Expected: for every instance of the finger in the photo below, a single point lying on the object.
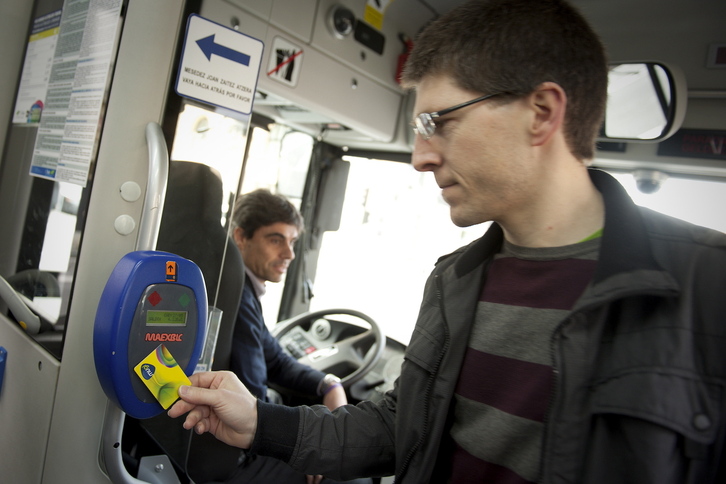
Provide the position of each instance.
(203, 379)
(191, 421)
(179, 408)
(196, 415)
(201, 427)
(197, 395)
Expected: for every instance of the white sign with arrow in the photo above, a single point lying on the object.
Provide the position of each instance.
(219, 65)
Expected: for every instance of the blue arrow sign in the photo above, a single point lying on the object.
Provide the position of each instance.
(209, 47)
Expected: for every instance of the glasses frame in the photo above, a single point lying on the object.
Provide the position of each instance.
(424, 124)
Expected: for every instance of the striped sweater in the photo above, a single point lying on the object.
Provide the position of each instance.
(506, 379)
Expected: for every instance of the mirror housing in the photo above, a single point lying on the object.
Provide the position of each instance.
(646, 102)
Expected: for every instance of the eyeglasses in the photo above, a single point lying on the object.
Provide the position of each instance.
(424, 125)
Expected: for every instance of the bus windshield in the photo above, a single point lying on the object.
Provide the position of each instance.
(395, 225)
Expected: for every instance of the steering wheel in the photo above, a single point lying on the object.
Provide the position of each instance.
(345, 351)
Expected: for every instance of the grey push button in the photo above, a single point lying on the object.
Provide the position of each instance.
(701, 421)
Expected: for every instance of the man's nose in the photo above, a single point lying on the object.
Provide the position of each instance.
(425, 157)
(288, 252)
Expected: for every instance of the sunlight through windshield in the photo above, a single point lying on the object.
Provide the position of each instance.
(395, 225)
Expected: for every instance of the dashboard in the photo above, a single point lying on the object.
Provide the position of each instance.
(333, 345)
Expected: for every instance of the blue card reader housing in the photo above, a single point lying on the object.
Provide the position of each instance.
(151, 298)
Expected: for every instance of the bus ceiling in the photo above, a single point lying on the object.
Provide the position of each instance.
(325, 78)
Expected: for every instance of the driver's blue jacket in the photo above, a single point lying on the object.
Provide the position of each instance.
(258, 359)
(639, 367)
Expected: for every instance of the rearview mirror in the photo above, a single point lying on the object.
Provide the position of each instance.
(646, 102)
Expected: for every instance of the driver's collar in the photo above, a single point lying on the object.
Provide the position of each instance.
(257, 284)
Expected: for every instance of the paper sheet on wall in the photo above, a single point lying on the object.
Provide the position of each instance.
(74, 101)
(34, 79)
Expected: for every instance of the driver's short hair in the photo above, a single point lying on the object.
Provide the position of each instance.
(260, 208)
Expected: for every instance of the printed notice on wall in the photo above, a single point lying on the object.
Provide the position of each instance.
(34, 79)
(76, 89)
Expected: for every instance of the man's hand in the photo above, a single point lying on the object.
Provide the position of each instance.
(218, 403)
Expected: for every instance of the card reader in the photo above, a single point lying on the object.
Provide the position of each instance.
(151, 298)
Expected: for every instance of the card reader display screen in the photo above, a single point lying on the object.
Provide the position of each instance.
(166, 318)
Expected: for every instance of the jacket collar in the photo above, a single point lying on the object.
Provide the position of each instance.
(625, 244)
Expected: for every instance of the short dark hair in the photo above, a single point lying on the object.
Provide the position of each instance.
(260, 208)
(514, 46)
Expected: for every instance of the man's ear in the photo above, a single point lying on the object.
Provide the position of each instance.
(549, 104)
(239, 237)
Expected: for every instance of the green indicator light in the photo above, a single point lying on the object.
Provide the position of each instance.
(184, 300)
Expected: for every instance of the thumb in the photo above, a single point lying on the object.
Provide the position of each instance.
(197, 395)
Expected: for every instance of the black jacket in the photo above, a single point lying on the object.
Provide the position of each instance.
(258, 359)
(640, 367)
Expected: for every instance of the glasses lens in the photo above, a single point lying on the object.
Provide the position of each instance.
(425, 125)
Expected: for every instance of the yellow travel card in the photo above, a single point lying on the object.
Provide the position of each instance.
(162, 375)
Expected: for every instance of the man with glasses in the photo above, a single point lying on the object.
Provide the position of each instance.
(579, 340)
